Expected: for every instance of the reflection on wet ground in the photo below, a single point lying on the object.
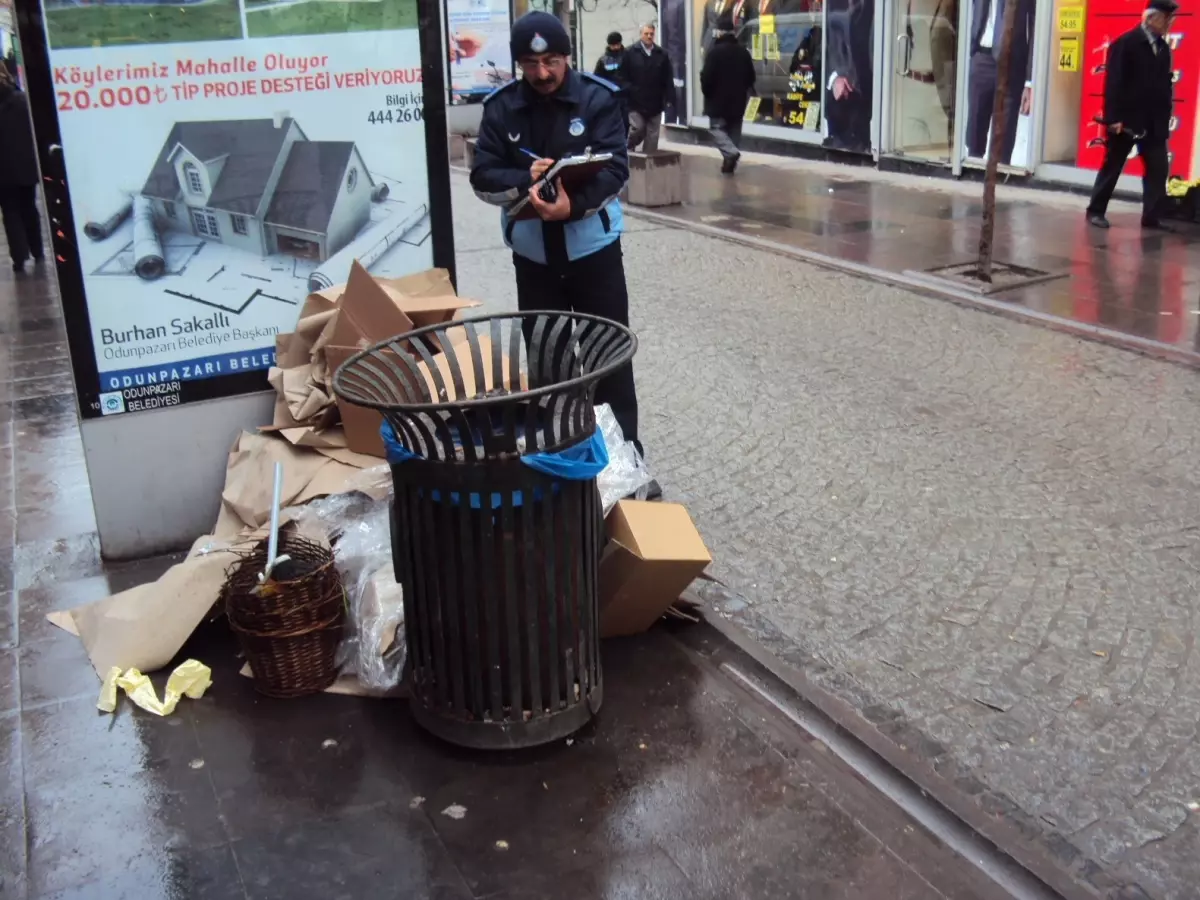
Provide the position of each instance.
(687, 787)
(1144, 284)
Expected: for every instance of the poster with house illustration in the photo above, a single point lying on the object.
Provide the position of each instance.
(260, 185)
(249, 174)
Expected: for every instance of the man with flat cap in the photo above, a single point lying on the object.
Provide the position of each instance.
(1137, 112)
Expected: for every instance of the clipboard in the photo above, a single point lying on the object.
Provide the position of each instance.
(571, 169)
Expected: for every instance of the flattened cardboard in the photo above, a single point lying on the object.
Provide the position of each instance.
(654, 553)
(372, 309)
(362, 424)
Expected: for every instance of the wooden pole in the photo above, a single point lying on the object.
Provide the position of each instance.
(987, 228)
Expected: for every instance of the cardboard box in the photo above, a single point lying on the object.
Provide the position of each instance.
(350, 318)
(654, 553)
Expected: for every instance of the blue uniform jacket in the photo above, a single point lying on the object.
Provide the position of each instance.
(587, 113)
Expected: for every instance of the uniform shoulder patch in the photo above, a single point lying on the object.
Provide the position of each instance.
(596, 79)
(504, 87)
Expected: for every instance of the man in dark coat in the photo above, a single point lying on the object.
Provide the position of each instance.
(611, 66)
(987, 29)
(650, 85)
(18, 176)
(1137, 111)
(726, 81)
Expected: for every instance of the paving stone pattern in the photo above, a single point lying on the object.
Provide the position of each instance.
(988, 528)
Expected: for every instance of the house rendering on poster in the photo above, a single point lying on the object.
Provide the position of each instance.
(260, 185)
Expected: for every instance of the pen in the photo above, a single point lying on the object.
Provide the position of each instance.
(528, 153)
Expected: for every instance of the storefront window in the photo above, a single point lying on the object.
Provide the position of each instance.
(813, 58)
(784, 40)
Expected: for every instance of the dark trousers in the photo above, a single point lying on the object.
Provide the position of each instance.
(22, 223)
(981, 94)
(1154, 182)
(594, 285)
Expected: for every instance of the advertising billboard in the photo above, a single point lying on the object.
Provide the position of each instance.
(210, 163)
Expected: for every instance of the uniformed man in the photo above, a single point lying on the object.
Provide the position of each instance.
(569, 256)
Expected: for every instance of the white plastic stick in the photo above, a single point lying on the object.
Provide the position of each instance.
(273, 537)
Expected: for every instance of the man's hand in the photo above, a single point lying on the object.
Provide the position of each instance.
(539, 168)
(842, 87)
(558, 211)
(1026, 101)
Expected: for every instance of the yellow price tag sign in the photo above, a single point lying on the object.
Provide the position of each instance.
(771, 42)
(766, 24)
(752, 108)
(756, 46)
(1068, 54)
(1070, 19)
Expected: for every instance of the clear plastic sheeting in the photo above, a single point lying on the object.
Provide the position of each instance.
(626, 474)
(359, 530)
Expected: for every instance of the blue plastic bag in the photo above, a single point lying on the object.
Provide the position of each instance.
(580, 462)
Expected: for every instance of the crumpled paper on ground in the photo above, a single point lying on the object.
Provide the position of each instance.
(249, 479)
(145, 627)
(300, 377)
(191, 679)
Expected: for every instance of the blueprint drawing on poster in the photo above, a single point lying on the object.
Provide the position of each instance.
(254, 172)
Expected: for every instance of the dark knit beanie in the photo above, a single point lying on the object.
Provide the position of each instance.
(614, 37)
(538, 32)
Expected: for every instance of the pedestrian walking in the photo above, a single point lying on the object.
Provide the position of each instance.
(569, 257)
(611, 65)
(18, 176)
(1137, 112)
(727, 81)
(648, 71)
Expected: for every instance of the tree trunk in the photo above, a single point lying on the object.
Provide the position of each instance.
(987, 228)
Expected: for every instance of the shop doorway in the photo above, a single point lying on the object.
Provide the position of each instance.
(940, 82)
(921, 80)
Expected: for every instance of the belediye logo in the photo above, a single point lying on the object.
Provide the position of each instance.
(112, 403)
(538, 44)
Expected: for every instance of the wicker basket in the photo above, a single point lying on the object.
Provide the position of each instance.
(289, 632)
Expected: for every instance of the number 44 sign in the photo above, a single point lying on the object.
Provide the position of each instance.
(1068, 54)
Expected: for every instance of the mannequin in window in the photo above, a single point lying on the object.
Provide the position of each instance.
(849, 57)
(943, 48)
(987, 29)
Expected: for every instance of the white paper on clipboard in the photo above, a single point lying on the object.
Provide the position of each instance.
(567, 162)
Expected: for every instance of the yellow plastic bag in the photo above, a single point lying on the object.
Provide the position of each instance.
(190, 679)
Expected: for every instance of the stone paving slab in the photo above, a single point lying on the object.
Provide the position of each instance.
(984, 528)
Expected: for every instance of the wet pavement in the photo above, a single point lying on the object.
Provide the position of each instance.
(977, 536)
(1126, 280)
(973, 538)
(688, 785)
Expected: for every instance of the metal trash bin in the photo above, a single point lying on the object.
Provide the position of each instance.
(497, 559)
